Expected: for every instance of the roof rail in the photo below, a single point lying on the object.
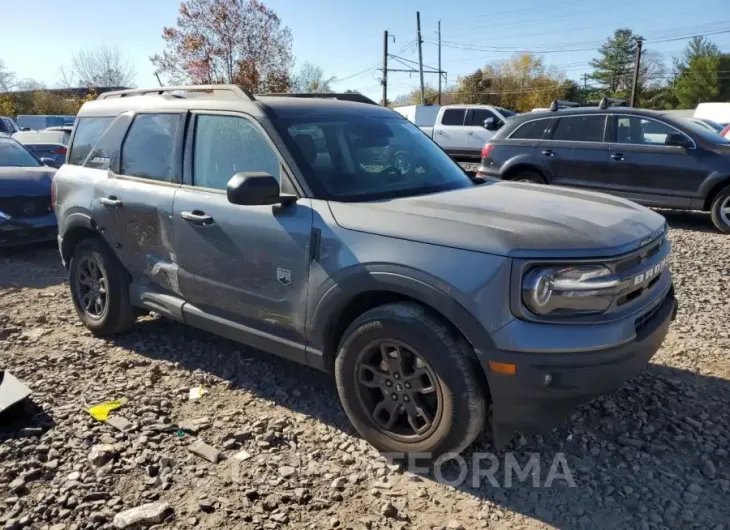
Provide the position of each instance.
(357, 98)
(558, 104)
(236, 90)
(611, 102)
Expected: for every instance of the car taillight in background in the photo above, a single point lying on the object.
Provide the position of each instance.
(486, 150)
(725, 131)
(59, 151)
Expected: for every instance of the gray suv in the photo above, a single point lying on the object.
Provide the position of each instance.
(282, 223)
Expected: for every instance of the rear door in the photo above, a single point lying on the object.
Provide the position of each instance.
(643, 169)
(575, 152)
(476, 134)
(450, 132)
(133, 202)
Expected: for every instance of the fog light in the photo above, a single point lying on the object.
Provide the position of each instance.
(548, 379)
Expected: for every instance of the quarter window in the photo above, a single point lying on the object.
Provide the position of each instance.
(532, 130)
(226, 145)
(148, 149)
(88, 131)
(453, 117)
(580, 128)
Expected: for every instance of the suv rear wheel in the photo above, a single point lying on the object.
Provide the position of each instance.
(99, 289)
(407, 384)
(720, 211)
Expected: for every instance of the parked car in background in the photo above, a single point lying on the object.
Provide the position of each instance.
(28, 122)
(49, 145)
(264, 220)
(26, 212)
(460, 130)
(8, 126)
(709, 124)
(653, 158)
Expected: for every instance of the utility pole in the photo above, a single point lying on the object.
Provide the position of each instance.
(420, 56)
(637, 64)
(585, 88)
(385, 69)
(439, 62)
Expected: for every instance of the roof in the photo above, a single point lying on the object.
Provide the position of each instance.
(228, 98)
(584, 110)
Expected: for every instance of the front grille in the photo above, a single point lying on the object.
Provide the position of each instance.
(25, 207)
(644, 320)
(645, 255)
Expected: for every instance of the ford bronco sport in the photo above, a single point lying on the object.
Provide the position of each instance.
(279, 222)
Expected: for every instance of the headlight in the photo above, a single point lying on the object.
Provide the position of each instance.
(555, 291)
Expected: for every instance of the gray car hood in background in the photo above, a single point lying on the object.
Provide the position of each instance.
(510, 219)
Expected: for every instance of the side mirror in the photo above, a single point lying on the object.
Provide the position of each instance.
(49, 162)
(490, 124)
(677, 140)
(256, 189)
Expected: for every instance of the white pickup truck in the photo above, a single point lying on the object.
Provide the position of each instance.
(461, 130)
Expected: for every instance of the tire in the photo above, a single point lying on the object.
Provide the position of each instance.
(528, 176)
(116, 313)
(720, 210)
(462, 409)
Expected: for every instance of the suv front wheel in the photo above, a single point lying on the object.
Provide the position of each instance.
(720, 211)
(407, 384)
(99, 289)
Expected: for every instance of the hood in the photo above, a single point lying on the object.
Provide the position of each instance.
(511, 219)
(29, 181)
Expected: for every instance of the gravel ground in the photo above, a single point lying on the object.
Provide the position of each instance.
(651, 455)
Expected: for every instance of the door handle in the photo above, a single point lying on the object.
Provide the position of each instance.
(470, 133)
(548, 152)
(439, 132)
(111, 201)
(617, 156)
(196, 216)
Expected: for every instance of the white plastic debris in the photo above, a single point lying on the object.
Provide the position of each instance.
(196, 393)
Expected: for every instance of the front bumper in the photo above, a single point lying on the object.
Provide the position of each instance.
(26, 231)
(547, 387)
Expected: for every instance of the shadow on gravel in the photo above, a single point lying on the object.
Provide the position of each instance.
(684, 220)
(632, 455)
(36, 266)
(24, 420)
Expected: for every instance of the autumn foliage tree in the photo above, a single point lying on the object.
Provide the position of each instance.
(227, 41)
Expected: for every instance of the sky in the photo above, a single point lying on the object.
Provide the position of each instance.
(345, 37)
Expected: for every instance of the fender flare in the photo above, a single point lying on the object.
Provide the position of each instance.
(342, 291)
(714, 181)
(69, 224)
(526, 160)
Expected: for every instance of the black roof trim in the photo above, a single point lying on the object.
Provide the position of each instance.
(357, 98)
(237, 91)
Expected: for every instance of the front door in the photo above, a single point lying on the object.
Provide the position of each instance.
(643, 169)
(133, 206)
(476, 134)
(243, 269)
(576, 152)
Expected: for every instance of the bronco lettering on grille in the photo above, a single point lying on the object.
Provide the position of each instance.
(651, 273)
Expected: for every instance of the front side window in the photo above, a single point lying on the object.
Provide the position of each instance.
(453, 117)
(359, 158)
(88, 131)
(147, 151)
(642, 131)
(12, 154)
(226, 145)
(580, 128)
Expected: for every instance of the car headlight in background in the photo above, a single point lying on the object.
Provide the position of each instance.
(582, 289)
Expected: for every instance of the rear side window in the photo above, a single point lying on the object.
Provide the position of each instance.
(147, 151)
(580, 128)
(453, 117)
(532, 130)
(479, 115)
(88, 131)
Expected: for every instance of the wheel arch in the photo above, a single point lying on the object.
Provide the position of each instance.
(350, 298)
(711, 187)
(518, 165)
(75, 228)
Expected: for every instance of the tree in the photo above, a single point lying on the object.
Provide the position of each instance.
(414, 97)
(7, 78)
(311, 78)
(613, 70)
(699, 46)
(98, 67)
(227, 41)
(700, 74)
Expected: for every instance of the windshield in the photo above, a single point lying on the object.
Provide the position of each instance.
(705, 133)
(14, 155)
(359, 158)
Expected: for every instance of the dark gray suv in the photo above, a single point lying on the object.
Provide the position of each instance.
(279, 222)
(653, 158)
